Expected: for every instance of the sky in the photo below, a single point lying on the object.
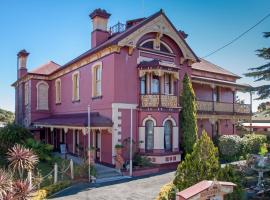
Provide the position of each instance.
(60, 30)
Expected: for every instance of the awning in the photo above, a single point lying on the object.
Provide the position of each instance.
(80, 120)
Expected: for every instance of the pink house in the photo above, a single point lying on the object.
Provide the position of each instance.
(132, 80)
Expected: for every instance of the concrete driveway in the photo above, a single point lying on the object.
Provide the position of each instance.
(143, 188)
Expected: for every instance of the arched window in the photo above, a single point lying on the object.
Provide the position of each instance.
(42, 96)
(76, 86)
(148, 45)
(149, 135)
(168, 135)
(58, 91)
(164, 48)
(160, 46)
(97, 79)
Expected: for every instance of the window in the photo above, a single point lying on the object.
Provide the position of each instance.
(97, 80)
(143, 84)
(155, 85)
(167, 82)
(26, 94)
(148, 45)
(164, 48)
(168, 135)
(42, 95)
(149, 135)
(156, 45)
(58, 91)
(76, 86)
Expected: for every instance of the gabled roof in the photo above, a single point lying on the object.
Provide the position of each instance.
(116, 38)
(46, 68)
(207, 66)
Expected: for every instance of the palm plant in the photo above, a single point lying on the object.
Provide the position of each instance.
(5, 183)
(21, 159)
(22, 190)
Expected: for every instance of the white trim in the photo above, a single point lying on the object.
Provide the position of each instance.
(149, 117)
(169, 118)
(47, 87)
(94, 67)
(124, 106)
(154, 45)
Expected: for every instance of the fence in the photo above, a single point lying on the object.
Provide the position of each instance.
(54, 172)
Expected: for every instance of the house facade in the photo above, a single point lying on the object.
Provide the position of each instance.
(131, 81)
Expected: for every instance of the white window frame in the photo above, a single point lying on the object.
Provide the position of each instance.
(37, 86)
(95, 67)
(58, 91)
(155, 46)
(76, 97)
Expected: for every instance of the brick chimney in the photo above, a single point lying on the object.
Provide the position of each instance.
(100, 32)
(22, 63)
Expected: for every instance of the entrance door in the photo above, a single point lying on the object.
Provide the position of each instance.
(98, 145)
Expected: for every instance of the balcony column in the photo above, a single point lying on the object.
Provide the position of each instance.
(213, 97)
(212, 121)
(148, 83)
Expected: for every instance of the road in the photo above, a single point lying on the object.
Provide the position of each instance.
(145, 188)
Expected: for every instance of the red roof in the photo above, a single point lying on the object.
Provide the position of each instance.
(46, 68)
(78, 119)
(207, 66)
(199, 187)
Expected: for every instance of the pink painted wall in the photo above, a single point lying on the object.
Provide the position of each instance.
(204, 124)
(106, 147)
(226, 127)
(202, 92)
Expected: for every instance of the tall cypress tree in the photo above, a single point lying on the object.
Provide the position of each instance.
(262, 73)
(189, 115)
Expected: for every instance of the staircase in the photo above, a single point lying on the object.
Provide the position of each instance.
(107, 174)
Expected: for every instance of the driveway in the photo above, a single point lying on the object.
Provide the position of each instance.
(143, 188)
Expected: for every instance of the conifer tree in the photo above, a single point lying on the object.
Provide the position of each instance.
(201, 164)
(189, 115)
(262, 73)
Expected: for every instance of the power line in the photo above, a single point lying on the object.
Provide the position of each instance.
(238, 37)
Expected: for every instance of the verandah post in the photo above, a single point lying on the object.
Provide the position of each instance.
(55, 173)
(71, 169)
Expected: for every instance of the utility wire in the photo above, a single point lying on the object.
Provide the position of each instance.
(238, 37)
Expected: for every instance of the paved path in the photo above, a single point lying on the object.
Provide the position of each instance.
(144, 188)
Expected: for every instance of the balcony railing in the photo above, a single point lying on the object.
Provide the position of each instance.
(154, 101)
(210, 106)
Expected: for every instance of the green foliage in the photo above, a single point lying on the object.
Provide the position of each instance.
(263, 149)
(44, 151)
(141, 161)
(6, 116)
(261, 73)
(201, 164)
(230, 147)
(233, 147)
(189, 116)
(81, 171)
(48, 191)
(118, 146)
(12, 134)
(229, 174)
(167, 192)
(253, 142)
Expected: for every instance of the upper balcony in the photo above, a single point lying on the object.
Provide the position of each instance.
(223, 108)
(155, 101)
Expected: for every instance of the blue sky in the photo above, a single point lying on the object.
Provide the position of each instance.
(59, 30)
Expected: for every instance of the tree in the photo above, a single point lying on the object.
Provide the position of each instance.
(189, 115)
(262, 73)
(6, 116)
(201, 164)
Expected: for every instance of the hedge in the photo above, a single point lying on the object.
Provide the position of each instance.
(233, 147)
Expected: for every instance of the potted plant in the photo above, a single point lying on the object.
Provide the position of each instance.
(118, 149)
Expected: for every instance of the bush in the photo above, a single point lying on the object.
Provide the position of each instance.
(141, 161)
(81, 171)
(253, 142)
(47, 191)
(230, 147)
(12, 134)
(167, 192)
(43, 151)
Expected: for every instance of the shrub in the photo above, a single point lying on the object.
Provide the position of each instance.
(12, 134)
(141, 161)
(167, 192)
(48, 191)
(229, 174)
(230, 147)
(81, 171)
(43, 151)
(201, 164)
(252, 143)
